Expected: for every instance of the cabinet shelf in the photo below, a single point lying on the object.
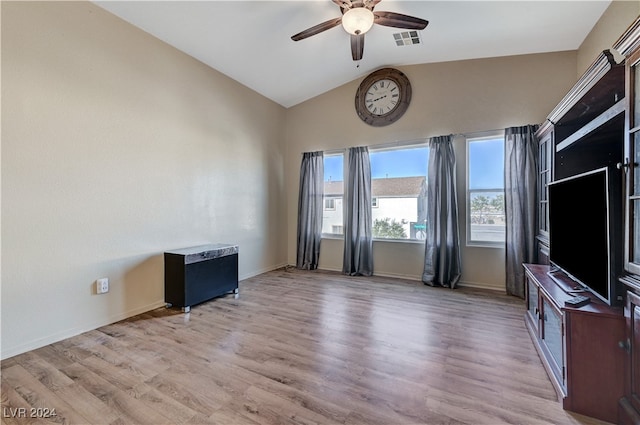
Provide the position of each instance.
(593, 125)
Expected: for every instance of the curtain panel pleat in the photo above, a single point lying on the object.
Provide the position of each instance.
(442, 261)
(310, 205)
(358, 234)
(520, 186)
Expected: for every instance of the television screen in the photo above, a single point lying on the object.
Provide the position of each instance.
(579, 229)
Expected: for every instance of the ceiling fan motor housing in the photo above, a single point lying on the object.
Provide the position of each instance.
(357, 20)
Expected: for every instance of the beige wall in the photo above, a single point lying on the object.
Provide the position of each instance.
(116, 147)
(453, 97)
(618, 16)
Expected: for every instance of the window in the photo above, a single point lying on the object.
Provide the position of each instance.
(399, 192)
(333, 194)
(485, 190)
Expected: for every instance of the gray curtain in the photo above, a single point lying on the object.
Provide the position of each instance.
(442, 265)
(358, 235)
(520, 181)
(310, 205)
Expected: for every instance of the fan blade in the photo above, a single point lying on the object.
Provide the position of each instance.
(398, 20)
(317, 29)
(370, 4)
(344, 4)
(357, 46)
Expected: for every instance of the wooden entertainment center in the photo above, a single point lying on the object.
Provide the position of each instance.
(578, 346)
(592, 353)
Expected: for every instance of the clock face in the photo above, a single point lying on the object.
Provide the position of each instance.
(383, 97)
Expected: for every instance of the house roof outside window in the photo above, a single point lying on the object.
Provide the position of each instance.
(394, 187)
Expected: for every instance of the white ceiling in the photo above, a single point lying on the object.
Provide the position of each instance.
(250, 42)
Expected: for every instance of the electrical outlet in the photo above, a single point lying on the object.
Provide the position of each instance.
(102, 285)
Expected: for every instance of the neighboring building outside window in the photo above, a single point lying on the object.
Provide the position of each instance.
(333, 193)
(485, 190)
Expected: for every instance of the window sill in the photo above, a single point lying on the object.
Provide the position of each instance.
(330, 236)
(493, 245)
(409, 241)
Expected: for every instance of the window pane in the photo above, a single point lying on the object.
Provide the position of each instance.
(486, 164)
(399, 189)
(333, 190)
(485, 193)
(486, 211)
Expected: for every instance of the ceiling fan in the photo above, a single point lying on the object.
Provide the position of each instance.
(357, 18)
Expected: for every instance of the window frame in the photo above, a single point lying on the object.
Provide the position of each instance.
(328, 153)
(414, 144)
(471, 138)
(375, 199)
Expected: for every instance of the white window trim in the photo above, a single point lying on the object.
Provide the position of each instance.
(469, 138)
(375, 148)
(344, 153)
(333, 202)
(409, 144)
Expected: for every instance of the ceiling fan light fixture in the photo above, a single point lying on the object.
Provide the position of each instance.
(357, 20)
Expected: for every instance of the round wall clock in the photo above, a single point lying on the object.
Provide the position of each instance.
(383, 97)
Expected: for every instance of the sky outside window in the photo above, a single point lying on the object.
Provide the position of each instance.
(333, 168)
(486, 164)
(385, 163)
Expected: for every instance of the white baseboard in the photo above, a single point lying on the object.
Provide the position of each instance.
(465, 284)
(480, 285)
(59, 336)
(261, 271)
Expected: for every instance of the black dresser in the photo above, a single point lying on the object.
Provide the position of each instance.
(199, 273)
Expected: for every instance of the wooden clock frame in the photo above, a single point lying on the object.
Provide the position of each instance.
(403, 103)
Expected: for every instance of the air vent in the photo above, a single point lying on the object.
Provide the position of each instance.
(406, 38)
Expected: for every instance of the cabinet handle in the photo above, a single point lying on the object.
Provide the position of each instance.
(626, 164)
(625, 345)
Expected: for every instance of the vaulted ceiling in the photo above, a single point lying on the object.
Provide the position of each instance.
(250, 41)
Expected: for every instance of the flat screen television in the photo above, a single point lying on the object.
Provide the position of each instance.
(583, 240)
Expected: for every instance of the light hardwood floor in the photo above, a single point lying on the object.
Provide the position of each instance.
(298, 348)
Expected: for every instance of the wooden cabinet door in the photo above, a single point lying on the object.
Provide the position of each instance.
(632, 164)
(545, 156)
(552, 335)
(632, 313)
(533, 308)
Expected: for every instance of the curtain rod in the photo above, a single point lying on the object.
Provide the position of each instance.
(426, 139)
(381, 145)
(415, 141)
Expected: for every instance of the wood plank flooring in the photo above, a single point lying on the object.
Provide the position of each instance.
(297, 347)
